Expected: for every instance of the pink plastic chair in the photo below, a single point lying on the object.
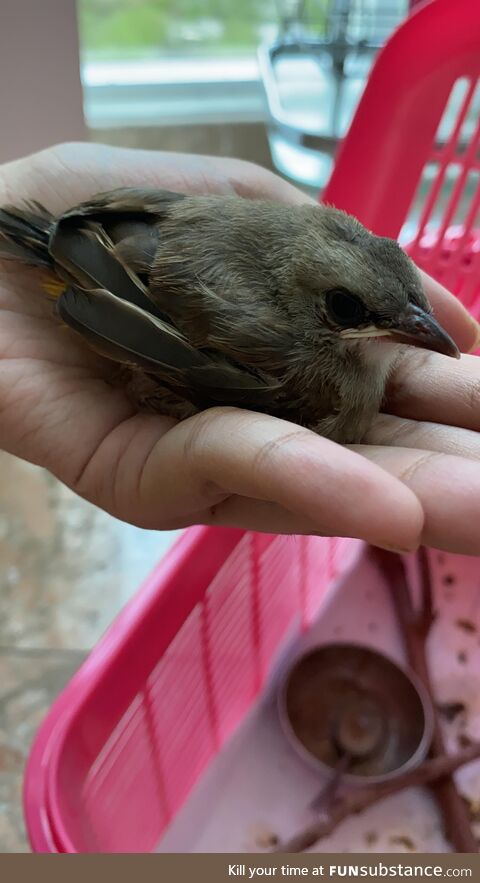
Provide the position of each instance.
(179, 669)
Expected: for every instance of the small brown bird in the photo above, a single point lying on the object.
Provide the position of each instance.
(213, 300)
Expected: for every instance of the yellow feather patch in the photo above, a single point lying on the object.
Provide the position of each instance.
(53, 286)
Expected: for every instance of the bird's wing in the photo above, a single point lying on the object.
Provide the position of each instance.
(134, 201)
(109, 301)
(128, 334)
(90, 260)
(111, 241)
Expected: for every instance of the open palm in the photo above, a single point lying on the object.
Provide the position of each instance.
(417, 479)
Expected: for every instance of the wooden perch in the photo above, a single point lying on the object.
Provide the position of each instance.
(356, 800)
(415, 625)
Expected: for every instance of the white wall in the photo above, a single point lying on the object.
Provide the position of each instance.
(40, 89)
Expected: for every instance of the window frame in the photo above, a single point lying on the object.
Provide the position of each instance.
(175, 91)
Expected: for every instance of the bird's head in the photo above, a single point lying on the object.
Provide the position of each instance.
(355, 286)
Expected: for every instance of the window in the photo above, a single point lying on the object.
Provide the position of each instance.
(147, 62)
(113, 29)
(166, 61)
(162, 62)
(126, 29)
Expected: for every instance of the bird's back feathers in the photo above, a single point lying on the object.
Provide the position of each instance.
(104, 251)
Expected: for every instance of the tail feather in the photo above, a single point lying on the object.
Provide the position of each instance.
(25, 234)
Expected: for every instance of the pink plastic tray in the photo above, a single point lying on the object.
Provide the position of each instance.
(168, 684)
(257, 786)
(180, 668)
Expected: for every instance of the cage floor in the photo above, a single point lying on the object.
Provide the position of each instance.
(258, 790)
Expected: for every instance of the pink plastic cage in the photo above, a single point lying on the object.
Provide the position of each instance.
(180, 668)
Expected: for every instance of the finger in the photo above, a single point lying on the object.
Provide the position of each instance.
(448, 488)
(248, 514)
(260, 515)
(86, 169)
(419, 434)
(200, 462)
(452, 315)
(193, 174)
(428, 386)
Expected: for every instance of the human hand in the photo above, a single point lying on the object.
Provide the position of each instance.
(410, 482)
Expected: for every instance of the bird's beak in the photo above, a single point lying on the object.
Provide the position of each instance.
(416, 328)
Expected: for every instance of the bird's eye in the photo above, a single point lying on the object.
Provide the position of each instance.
(345, 309)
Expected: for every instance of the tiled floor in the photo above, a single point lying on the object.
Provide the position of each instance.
(66, 569)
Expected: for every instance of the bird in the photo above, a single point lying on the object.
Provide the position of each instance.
(297, 311)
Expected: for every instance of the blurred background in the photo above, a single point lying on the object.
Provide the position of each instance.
(271, 81)
(274, 81)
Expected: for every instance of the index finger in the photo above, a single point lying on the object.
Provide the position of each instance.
(85, 169)
(229, 451)
(452, 315)
(430, 387)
